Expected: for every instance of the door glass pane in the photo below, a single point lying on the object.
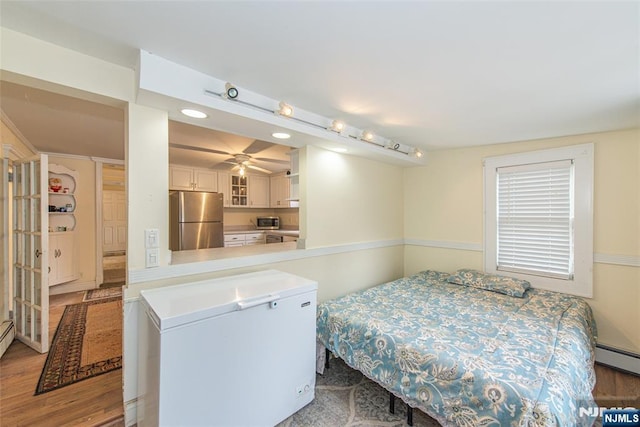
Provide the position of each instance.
(36, 177)
(26, 182)
(18, 180)
(28, 280)
(17, 214)
(37, 325)
(28, 219)
(36, 214)
(17, 278)
(37, 289)
(27, 322)
(27, 256)
(18, 316)
(37, 262)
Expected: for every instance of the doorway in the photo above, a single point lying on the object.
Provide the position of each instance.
(114, 225)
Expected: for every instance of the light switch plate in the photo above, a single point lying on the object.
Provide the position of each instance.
(152, 258)
(151, 238)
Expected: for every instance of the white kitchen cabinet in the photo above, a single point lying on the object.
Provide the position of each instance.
(62, 254)
(239, 190)
(294, 177)
(224, 187)
(192, 179)
(255, 239)
(279, 192)
(244, 239)
(258, 191)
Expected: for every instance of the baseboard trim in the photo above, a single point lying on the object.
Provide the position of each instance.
(65, 288)
(131, 412)
(7, 334)
(618, 359)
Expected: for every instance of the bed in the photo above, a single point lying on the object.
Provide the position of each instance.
(468, 356)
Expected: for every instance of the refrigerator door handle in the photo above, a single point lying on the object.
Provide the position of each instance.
(271, 299)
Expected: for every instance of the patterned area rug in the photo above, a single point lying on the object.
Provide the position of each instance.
(345, 397)
(87, 343)
(101, 293)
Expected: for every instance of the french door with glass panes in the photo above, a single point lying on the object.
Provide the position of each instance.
(30, 252)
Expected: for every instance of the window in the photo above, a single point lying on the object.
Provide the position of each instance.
(539, 218)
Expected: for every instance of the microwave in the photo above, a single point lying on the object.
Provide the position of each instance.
(268, 223)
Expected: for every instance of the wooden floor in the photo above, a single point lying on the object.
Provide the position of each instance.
(92, 402)
(98, 401)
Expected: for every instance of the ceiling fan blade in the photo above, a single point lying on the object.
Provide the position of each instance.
(257, 146)
(259, 169)
(264, 159)
(192, 148)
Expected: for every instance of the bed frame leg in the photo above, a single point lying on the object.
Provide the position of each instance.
(409, 415)
(392, 403)
(326, 358)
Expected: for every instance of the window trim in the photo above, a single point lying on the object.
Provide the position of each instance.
(582, 156)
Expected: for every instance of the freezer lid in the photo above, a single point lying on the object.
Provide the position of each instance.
(178, 305)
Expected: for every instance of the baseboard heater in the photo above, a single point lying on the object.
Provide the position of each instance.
(618, 359)
(7, 334)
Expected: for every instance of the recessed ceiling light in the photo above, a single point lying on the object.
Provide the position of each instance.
(193, 113)
(281, 135)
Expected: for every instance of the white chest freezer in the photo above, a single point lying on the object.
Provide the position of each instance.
(234, 351)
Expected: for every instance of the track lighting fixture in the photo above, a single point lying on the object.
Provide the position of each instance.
(392, 145)
(285, 109)
(337, 126)
(306, 118)
(230, 91)
(367, 136)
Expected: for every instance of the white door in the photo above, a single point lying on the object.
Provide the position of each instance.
(114, 220)
(30, 252)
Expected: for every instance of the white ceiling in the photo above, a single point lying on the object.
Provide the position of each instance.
(430, 74)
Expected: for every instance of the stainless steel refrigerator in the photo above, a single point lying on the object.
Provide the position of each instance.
(195, 220)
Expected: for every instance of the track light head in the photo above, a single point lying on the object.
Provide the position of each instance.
(367, 136)
(337, 126)
(230, 91)
(285, 109)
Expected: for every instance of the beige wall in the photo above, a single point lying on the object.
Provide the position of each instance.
(443, 203)
(349, 199)
(85, 214)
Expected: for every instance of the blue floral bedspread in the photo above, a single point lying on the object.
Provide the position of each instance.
(466, 356)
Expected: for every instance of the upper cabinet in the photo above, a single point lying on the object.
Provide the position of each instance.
(294, 177)
(192, 179)
(224, 187)
(280, 190)
(243, 191)
(62, 198)
(258, 191)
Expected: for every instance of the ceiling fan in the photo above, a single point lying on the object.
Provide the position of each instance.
(240, 161)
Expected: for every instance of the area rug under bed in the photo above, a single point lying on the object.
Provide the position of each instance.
(87, 343)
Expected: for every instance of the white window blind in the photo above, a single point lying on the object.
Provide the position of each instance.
(535, 214)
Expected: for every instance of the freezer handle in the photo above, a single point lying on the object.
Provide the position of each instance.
(271, 299)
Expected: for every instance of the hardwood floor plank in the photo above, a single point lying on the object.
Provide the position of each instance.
(91, 402)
